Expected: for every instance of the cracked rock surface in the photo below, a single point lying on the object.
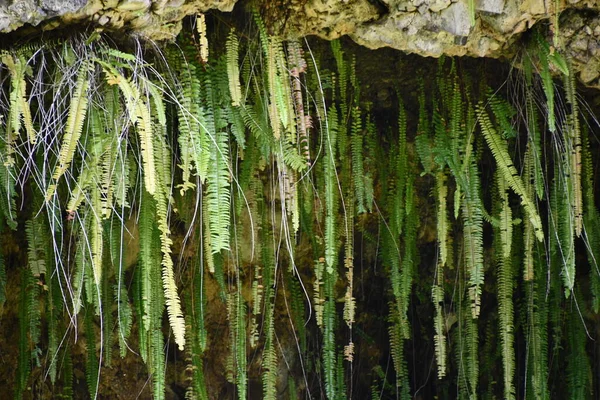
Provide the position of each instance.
(156, 19)
(424, 27)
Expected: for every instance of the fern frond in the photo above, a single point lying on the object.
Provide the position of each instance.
(356, 147)
(505, 164)
(269, 359)
(572, 139)
(473, 247)
(140, 116)
(233, 69)
(547, 82)
(74, 126)
(218, 196)
(176, 320)
(35, 248)
(92, 364)
(442, 217)
(19, 106)
(505, 290)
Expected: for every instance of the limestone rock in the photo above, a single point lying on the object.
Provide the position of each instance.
(157, 19)
(424, 27)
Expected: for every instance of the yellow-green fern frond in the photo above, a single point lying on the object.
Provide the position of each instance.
(140, 116)
(162, 196)
(18, 106)
(233, 69)
(442, 216)
(74, 126)
(505, 164)
(95, 234)
(572, 139)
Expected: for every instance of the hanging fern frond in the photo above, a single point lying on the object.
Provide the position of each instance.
(269, 361)
(19, 109)
(506, 165)
(505, 284)
(331, 199)
(218, 194)
(176, 320)
(233, 69)
(543, 52)
(74, 126)
(572, 140)
(473, 242)
(356, 147)
(140, 116)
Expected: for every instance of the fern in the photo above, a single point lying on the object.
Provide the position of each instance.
(19, 110)
(275, 87)
(92, 363)
(269, 361)
(591, 221)
(578, 371)
(534, 134)
(528, 235)
(357, 161)
(28, 330)
(563, 224)
(547, 83)
(297, 66)
(121, 297)
(572, 139)
(140, 116)
(74, 126)
(218, 194)
(35, 257)
(329, 327)
(508, 169)
(8, 205)
(437, 290)
(233, 70)
(174, 312)
(331, 203)
(505, 291)
(473, 240)
(538, 332)
(156, 362)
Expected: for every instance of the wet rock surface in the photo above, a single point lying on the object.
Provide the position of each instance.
(479, 28)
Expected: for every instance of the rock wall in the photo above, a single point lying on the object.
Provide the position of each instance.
(425, 27)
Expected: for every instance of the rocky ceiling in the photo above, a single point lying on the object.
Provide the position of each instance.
(424, 27)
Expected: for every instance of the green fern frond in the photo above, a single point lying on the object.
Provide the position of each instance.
(578, 371)
(473, 246)
(331, 199)
(35, 254)
(74, 126)
(218, 196)
(505, 290)
(269, 362)
(547, 82)
(233, 69)
(506, 165)
(91, 365)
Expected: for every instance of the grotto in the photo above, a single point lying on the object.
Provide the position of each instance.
(299, 199)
